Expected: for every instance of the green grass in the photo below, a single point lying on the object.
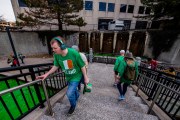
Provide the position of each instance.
(10, 102)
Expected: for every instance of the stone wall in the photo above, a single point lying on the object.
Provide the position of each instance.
(27, 43)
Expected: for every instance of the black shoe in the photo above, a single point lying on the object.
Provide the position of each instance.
(149, 99)
(71, 110)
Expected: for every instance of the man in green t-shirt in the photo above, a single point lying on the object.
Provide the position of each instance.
(72, 64)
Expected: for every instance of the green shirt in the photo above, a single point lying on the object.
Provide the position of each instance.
(71, 64)
(120, 66)
(118, 62)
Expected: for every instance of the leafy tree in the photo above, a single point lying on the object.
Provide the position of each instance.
(79, 22)
(50, 12)
(165, 10)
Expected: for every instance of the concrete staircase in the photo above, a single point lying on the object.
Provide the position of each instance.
(102, 103)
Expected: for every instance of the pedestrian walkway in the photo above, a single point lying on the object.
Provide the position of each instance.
(102, 103)
(27, 61)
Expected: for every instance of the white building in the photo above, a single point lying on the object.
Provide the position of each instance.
(97, 14)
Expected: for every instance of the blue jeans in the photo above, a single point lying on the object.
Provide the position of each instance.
(72, 93)
(122, 89)
(81, 81)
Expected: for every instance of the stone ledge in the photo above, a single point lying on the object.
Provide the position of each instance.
(161, 115)
(38, 112)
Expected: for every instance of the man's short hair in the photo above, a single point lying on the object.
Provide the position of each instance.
(122, 51)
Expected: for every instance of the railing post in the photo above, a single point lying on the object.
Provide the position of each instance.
(47, 99)
(155, 98)
(140, 82)
(33, 77)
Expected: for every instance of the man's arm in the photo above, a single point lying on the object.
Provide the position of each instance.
(52, 70)
(86, 80)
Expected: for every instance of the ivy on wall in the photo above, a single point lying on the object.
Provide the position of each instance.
(162, 41)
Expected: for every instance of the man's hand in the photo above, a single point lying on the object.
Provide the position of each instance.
(43, 77)
(117, 80)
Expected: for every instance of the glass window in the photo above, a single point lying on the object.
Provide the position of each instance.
(111, 7)
(21, 3)
(141, 10)
(130, 8)
(148, 10)
(123, 8)
(88, 5)
(141, 24)
(102, 6)
(127, 24)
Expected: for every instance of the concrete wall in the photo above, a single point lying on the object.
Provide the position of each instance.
(173, 56)
(28, 43)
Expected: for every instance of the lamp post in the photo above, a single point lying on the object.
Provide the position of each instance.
(12, 44)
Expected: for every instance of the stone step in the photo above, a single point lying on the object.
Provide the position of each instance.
(86, 111)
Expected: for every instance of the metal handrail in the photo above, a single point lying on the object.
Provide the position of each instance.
(28, 84)
(157, 93)
(160, 84)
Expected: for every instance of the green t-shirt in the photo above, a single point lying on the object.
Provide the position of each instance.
(118, 62)
(71, 64)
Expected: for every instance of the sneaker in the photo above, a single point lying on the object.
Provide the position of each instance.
(122, 97)
(71, 110)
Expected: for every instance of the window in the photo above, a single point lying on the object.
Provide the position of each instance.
(111, 7)
(21, 3)
(88, 5)
(141, 24)
(130, 8)
(148, 10)
(155, 24)
(127, 24)
(103, 24)
(102, 6)
(141, 10)
(123, 8)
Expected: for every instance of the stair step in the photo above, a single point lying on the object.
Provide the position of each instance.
(87, 111)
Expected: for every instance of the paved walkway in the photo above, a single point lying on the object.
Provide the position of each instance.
(102, 103)
(27, 61)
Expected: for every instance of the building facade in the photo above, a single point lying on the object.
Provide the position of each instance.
(98, 13)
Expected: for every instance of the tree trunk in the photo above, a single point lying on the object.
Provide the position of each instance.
(59, 21)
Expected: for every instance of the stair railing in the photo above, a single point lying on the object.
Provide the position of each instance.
(26, 85)
(160, 87)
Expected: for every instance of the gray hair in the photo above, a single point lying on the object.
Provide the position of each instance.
(75, 47)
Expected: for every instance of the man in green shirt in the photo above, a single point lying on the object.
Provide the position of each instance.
(117, 64)
(127, 62)
(72, 64)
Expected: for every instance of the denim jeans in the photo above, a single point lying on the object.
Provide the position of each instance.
(122, 90)
(72, 93)
(81, 81)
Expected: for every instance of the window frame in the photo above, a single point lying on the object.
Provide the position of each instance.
(128, 11)
(141, 11)
(102, 6)
(88, 7)
(121, 8)
(111, 5)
